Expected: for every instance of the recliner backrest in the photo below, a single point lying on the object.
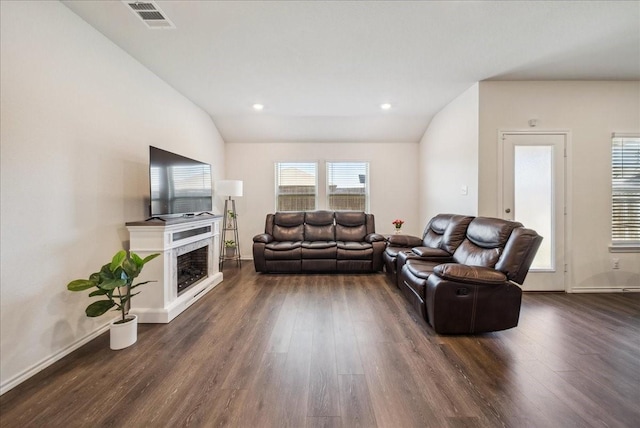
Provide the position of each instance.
(351, 226)
(519, 253)
(446, 231)
(318, 226)
(288, 226)
(484, 242)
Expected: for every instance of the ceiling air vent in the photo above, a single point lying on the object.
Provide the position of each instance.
(149, 13)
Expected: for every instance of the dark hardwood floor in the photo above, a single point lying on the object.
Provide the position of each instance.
(346, 350)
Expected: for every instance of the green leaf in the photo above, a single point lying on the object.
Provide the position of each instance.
(131, 268)
(136, 259)
(98, 308)
(95, 277)
(81, 284)
(117, 260)
(141, 283)
(150, 257)
(98, 292)
(112, 284)
(105, 273)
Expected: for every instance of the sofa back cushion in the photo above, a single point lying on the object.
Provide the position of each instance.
(446, 232)
(484, 242)
(288, 226)
(519, 253)
(319, 226)
(351, 226)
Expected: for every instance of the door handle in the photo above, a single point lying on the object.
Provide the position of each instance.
(508, 210)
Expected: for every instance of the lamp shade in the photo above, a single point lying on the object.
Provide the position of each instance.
(229, 187)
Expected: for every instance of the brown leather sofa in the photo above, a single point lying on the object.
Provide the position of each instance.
(318, 241)
(477, 289)
(440, 239)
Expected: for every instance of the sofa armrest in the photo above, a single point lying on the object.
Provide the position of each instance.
(431, 253)
(264, 238)
(404, 241)
(374, 237)
(470, 274)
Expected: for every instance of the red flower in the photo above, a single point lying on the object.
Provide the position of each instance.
(397, 223)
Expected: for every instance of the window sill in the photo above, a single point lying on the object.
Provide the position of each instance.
(624, 248)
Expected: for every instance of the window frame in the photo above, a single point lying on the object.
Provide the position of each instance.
(618, 192)
(278, 169)
(367, 183)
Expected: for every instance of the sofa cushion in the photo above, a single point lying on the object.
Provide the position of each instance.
(319, 233)
(283, 245)
(470, 274)
(289, 219)
(282, 233)
(420, 268)
(485, 241)
(354, 250)
(350, 218)
(283, 250)
(319, 250)
(319, 218)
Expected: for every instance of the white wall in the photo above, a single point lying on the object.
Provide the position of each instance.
(77, 117)
(393, 180)
(449, 159)
(591, 111)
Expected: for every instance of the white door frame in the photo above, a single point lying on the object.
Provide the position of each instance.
(568, 187)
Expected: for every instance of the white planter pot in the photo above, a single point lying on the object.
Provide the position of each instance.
(125, 334)
(230, 252)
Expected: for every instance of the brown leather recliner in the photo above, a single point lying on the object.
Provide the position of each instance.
(440, 239)
(478, 291)
(318, 241)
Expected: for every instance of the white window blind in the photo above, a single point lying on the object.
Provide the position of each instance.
(625, 183)
(348, 186)
(296, 186)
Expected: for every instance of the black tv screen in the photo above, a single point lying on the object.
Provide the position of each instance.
(179, 185)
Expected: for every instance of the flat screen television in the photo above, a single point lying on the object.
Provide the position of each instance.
(179, 185)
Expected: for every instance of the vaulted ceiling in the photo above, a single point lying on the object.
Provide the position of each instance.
(323, 68)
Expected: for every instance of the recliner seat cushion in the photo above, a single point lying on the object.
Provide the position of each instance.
(354, 250)
(319, 250)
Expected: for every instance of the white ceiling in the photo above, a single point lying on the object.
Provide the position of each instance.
(322, 68)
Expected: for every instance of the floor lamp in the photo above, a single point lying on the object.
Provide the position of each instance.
(230, 188)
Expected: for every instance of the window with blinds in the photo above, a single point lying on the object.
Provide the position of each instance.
(625, 183)
(348, 186)
(296, 186)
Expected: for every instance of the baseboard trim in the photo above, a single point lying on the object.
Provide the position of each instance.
(46, 362)
(604, 290)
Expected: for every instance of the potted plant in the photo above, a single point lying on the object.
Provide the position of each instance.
(398, 225)
(231, 219)
(230, 248)
(114, 282)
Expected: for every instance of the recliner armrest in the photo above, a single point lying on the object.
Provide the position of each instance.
(431, 253)
(264, 238)
(470, 274)
(404, 241)
(374, 237)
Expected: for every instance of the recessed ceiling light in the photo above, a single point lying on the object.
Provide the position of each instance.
(385, 106)
(258, 106)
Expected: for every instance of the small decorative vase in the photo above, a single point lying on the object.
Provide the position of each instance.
(124, 334)
(230, 252)
(398, 230)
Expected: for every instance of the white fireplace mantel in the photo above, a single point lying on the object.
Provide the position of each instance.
(159, 302)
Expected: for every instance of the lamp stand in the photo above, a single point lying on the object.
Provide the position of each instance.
(227, 228)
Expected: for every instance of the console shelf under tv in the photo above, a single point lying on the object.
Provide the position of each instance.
(175, 238)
